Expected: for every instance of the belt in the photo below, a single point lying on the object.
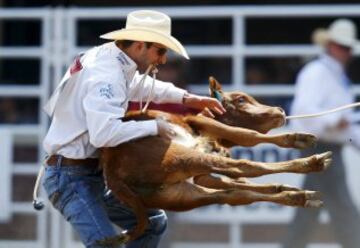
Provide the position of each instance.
(53, 160)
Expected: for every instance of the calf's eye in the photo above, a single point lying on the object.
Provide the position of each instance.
(241, 100)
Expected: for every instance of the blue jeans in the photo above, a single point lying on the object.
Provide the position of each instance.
(78, 193)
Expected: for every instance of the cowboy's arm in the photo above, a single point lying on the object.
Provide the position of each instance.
(104, 108)
(163, 92)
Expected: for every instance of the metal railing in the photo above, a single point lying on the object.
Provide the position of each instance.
(13, 134)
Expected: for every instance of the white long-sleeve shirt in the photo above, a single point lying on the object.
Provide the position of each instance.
(321, 85)
(87, 114)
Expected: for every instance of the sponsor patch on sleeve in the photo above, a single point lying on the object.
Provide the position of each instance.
(106, 91)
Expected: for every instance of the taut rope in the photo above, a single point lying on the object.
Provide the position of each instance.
(352, 105)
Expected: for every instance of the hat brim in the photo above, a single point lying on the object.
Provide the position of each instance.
(148, 36)
(322, 37)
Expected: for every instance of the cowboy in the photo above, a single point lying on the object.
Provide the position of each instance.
(87, 110)
(321, 85)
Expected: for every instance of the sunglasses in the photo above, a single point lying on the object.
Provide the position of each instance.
(344, 48)
(160, 50)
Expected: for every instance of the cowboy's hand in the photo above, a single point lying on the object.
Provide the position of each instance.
(207, 113)
(203, 102)
(165, 130)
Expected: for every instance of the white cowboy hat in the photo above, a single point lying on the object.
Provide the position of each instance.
(341, 31)
(149, 26)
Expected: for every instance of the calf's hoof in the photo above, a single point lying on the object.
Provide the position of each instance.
(304, 140)
(315, 163)
(305, 198)
(115, 241)
(324, 160)
(313, 199)
(313, 204)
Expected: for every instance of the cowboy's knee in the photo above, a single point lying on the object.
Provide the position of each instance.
(158, 222)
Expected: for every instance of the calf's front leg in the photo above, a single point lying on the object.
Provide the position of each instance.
(230, 136)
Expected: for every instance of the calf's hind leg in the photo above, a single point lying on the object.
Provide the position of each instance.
(222, 182)
(186, 196)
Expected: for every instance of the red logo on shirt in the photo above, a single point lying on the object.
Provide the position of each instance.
(76, 66)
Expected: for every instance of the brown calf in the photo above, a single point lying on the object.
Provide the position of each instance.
(154, 172)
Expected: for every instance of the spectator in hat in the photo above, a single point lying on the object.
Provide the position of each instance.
(322, 85)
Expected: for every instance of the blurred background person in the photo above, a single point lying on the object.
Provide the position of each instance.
(8, 111)
(322, 85)
(18, 111)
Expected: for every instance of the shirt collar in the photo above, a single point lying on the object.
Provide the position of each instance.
(127, 64)
(332, 63)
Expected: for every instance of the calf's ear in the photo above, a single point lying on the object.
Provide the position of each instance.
(214, 88)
